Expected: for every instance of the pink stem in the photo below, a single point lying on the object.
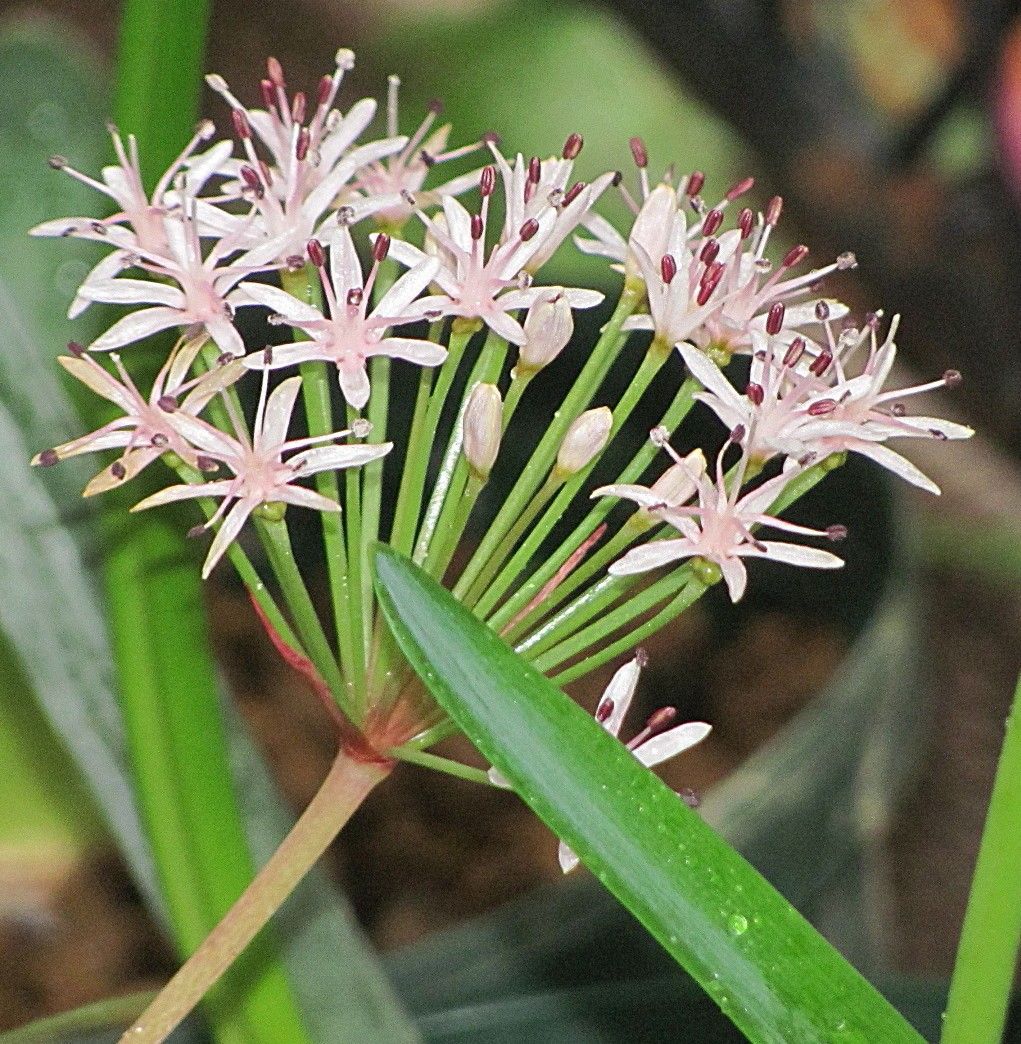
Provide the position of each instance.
(351, 777)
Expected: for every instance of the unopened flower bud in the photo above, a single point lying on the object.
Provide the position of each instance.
(586, 438)
(677, 484)
(548, 325)
(482, 428)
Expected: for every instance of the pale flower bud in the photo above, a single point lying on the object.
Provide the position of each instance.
(548, 327)
(586, 438)
(482, 428)
(677, 484)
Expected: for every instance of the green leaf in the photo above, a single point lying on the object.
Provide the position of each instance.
(775, 977)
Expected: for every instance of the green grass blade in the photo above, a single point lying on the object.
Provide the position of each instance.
(775, 977)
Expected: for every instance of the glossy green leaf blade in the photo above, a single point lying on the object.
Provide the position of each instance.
(763, 964)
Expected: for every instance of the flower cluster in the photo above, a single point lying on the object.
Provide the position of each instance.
(372, 261)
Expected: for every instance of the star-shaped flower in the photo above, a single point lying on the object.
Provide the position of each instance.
(260, 474)
(350, 335)
(147, 427)
(720, 529)
(294, 195)
(486, 288)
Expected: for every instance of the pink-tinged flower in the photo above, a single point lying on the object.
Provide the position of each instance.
(294, 194)
(260, 473)
(720, 530)
(856, 415)
(654, 225)
(142, 214)
(146, 429)
(709, 287)
(477, 287)
(775, 409)
(533, 186)
(659, 741)
(676, 486)
(204, 296)
(402, 175)
(350, 335)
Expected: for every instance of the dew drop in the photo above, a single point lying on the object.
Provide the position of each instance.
(738, 923)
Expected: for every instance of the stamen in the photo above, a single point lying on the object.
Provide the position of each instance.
(639, 152)
(794, 256)
(668, 268)
(836, 532)
(276, 73)
(302, 144)
(846, 261)
(710, 251)
(756, 393)
(822, 311)
(573, 193)
(242, 128)
(743, 186)
(822, 407)
(316, 254)
(696, 179)
(773, 210)
(795, 350)
(951, 378)
(712, 222)
(528, 230)
(487, 180)
(477, 228)
(167, 403)
(268, 95)
(745, 221)
(774, 321)
(573, 146)
(381, 247)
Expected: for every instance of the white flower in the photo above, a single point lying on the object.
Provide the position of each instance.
(295, 194)
(349, 335)
(658, 741)
(475, 287)
(146, 429)
(532, 187)
(260, 473)
(144, 215)
(204, 295)
(719, 529)
(856, 415)
(402, 175)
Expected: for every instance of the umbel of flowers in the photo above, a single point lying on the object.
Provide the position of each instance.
(395, 282)
(342, 238)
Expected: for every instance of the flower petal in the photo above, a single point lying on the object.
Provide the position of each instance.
(652, 556)
(136, 327)
(671, 743)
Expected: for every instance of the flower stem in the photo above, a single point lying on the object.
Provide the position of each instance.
(317, 396)
(591, 376)
(415, 756)
(987, 954)
(685, 599)
(654, 359)
(675, 414)
(306, 619)
(343, 790)
(453, 470)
